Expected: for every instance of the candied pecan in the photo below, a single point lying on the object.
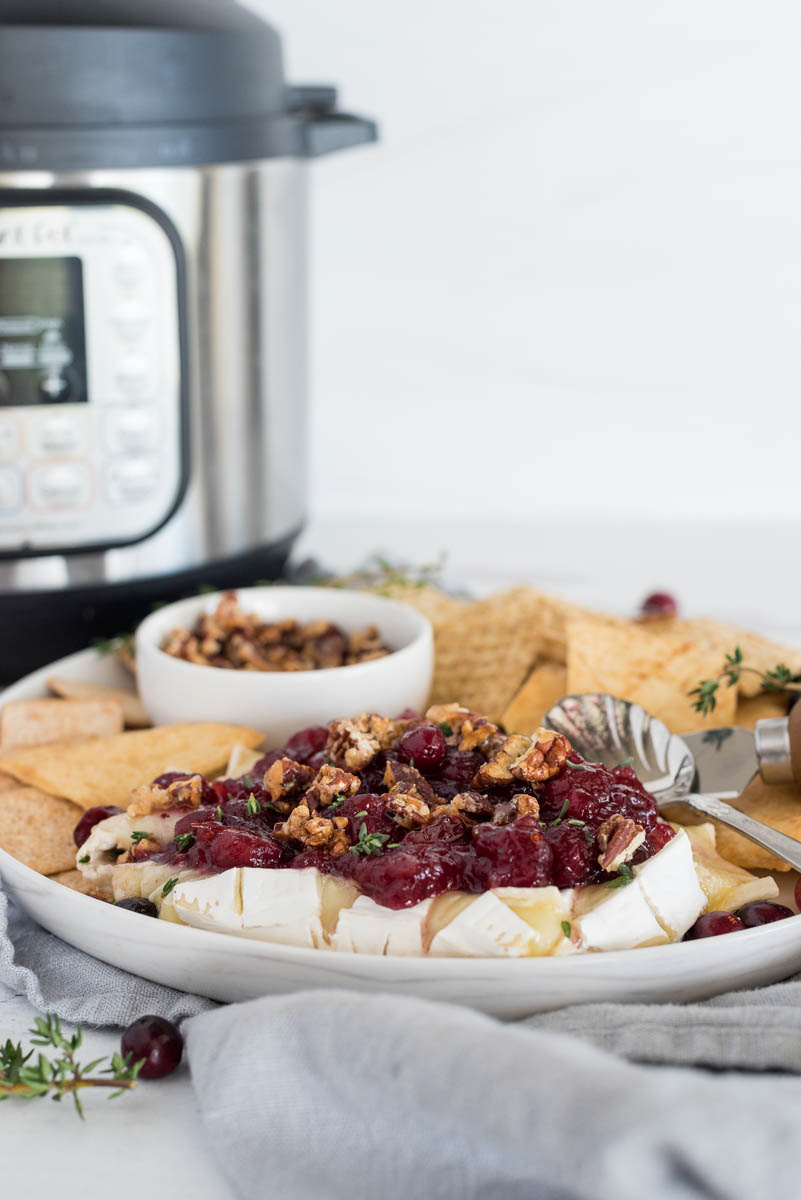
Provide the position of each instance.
(519, 805)
(150, 797)
(285, 777)
(618, 838)
(497, 770)
(543, 759)
(329, 783)
(305, 827)
(364, 645)
(471, 730)
(405, 777)
(474, 804)
(505, 813)
(407, 808)
(356, 742)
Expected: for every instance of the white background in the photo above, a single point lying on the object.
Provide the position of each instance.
(568, 279)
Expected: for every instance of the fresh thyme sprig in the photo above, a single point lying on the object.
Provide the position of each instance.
(369, 843)
(780, 679)
(61, 1074)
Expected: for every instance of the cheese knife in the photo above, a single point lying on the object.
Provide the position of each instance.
(727, 759)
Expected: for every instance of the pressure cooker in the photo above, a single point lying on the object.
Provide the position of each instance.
(153, 359)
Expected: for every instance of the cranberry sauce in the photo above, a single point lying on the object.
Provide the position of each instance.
(486, 846)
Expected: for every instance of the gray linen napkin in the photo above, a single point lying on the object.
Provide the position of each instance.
(331, 1094)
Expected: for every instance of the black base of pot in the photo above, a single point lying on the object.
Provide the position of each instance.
(39, 627)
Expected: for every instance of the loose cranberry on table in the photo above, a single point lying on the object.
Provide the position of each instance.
(92, 817)
(659, 604)
(763, 912)
(425, 746)
(713, 924)
(156, 1041)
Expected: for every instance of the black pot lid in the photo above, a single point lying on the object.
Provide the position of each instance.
(128, 83)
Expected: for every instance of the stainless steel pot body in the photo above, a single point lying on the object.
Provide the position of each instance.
(242, 235)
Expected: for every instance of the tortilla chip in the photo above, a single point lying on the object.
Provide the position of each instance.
(656, 669)
(484, 654)
(37, 722)
(546, 684)
(778, 805)
(37, 829)
(76, 880)
(766, 705)
(134, 713)
(105, 770)
(439, 607)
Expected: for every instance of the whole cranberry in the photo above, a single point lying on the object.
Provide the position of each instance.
(425, 746)
(306, 743)
(660, 835)
(157, 1042)
(713, 924)
(515, 855)
(575, 854)
(92, 817)
(368, 810)
(238, 848)
(762, 912)
(659, 604)
(135, 904)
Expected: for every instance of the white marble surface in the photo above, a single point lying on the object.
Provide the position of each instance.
(155, 1128)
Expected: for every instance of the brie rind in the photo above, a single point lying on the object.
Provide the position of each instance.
(725, 885)
(210, 902)
(485, 928)
(615, 918)
(670, 885)
(370, 928)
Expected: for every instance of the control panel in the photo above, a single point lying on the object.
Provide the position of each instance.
(91, 419)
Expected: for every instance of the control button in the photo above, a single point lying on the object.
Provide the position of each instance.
(131, 267)
(132, 479)
(60, 485)
(9, 439)
(131, 321)
(61, 433)
(134, 377)
(132, 430)
(10, 490)
(55, 387)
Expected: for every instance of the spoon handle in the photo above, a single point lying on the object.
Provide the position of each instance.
(779, 843)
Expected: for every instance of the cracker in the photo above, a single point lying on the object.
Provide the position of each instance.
(778, 805)
(546, 684)
(36, 722)
(37, 829)
(766, 705)
(439, 607)
(654, 668)
(134, 713)
(759, 652)
(76, 880)
(105, 770)
(484, 654)
(7, 782)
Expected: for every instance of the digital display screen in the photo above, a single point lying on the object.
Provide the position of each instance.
(42, 337)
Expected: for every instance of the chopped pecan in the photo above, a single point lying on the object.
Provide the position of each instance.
(544, 759)
(138, 849)
(497, 770)
(471, 730)
(619, 838)
(404, 777)
(520, 805)
(329, 783)
(305, 827)
(472, 804)
(355, 743)
(285, 778)
(407, 808)
(149, 797)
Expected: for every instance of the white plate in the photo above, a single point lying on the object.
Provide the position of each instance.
(229, 968)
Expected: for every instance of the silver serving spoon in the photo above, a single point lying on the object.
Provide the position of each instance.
(610, 731)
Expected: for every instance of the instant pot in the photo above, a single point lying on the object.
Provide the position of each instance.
(153, 248)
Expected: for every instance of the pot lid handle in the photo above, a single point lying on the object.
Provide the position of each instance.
(325, 129)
